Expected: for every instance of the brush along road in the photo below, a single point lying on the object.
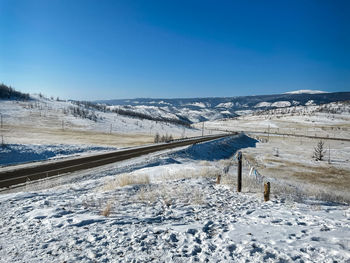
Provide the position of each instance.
(21, 175)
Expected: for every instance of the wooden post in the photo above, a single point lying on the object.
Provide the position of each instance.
(239, 177)
(267, 191)
(218, 179)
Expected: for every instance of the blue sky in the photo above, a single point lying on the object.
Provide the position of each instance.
(85, 49)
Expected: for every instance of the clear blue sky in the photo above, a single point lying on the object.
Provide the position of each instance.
(85, 49)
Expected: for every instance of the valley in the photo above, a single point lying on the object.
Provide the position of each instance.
(171, 199)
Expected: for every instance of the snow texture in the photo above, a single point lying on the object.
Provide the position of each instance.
(177, 217)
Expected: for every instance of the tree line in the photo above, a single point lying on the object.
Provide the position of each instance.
(7, 92)
(133, 114)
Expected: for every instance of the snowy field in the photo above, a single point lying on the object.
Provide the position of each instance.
(166, 207)
(289, 158)
(45, 121)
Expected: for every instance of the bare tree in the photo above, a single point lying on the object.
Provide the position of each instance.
(319, 151)
(156, 138)
(163, 138)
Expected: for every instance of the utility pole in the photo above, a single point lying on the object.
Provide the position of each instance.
(1, 121)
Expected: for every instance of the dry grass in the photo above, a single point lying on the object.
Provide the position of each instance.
(294, 166)
(204, 163)
(122, 180)
(168, 195)
(197, 197)
(147, 194)
(30, 134)
(205, 172)
(107, 210)
(323, 175)
(226, 162)
(249, 184)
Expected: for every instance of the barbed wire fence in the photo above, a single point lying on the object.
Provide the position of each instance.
(281, 186)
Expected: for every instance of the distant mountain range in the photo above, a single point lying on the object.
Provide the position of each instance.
(186, 111)
(203, 109)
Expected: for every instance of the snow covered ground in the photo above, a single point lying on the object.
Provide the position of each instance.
(22, 153)
(166, 207)
(290, 158)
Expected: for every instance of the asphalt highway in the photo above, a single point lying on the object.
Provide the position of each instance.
(15, 176)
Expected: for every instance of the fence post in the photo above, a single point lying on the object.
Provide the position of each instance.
(218, 179)
(239, 177)
(267, 191)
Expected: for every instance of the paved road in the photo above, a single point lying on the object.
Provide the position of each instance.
(16, 176)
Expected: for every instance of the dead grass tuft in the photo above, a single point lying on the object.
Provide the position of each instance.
(205, 172)
(107, 210)
(122, 180)
(168, 195)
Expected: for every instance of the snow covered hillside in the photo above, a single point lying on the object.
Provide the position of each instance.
(47, 121)
(332, 120)
(167, 208)
(209, 109)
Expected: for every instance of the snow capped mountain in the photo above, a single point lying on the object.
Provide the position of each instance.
(306, 91)
(194, 110)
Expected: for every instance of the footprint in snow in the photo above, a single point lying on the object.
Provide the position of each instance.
(231, 248)
(317, 239)
(192, 231)
(269, 255)
(255, 249)
(276, 221)
(173, 238)
(196, 250)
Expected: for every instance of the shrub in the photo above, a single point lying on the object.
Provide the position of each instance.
(319, 151)
(156, 138)
(107, 210)
(124, 180)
